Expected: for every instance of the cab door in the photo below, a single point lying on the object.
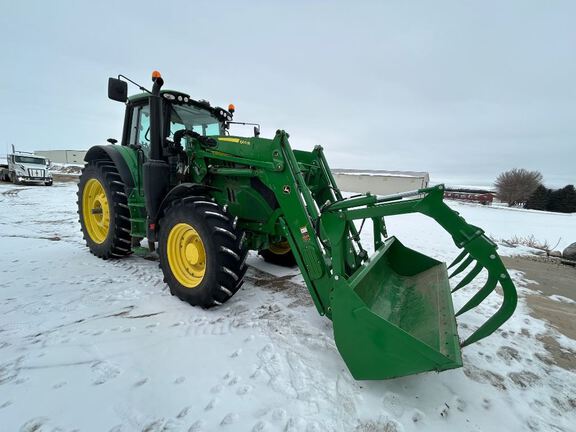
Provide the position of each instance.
(139, 129)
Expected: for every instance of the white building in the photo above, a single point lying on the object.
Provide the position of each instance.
(379, 182)
(75, 157)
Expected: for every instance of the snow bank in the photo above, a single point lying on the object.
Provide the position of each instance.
(67, 169)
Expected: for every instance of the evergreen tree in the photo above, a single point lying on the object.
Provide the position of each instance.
(540, 199)
(563, 200)
(570, 199)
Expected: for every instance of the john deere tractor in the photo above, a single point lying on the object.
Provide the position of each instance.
(204, 198)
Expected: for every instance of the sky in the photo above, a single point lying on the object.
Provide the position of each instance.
(461, 89)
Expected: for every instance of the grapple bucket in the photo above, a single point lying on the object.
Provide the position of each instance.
(395, 316)
(393, 312)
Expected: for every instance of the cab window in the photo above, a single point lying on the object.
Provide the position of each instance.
(195, 119)
(143, 137)
(140, 130)
(30, 160)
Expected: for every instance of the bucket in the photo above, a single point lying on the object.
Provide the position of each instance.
(394, 316)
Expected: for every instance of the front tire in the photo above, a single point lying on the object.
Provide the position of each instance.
(103, 210)
(201, 252)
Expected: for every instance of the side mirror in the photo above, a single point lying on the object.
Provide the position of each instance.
(117, 90)
(256, 131)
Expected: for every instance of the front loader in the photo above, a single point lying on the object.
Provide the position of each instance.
(204, 198)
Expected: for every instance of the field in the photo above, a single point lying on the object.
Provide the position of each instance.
(97, 345)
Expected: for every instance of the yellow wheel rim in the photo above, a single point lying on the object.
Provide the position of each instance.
(281, 248)
(186, 255)
(95, 211)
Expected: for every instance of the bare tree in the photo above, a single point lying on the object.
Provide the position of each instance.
(515, 186)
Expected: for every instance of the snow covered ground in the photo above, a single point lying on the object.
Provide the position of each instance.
(102, 346)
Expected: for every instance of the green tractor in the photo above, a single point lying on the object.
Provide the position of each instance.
(204, 198)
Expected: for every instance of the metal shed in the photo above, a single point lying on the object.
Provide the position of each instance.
(75, 157)
(380, 182)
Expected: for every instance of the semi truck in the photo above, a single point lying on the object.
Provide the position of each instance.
(23, 167)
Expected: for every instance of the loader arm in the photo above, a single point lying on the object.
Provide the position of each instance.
(392, 311)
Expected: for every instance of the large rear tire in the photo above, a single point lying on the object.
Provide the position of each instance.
(103, 210)
(201, 252)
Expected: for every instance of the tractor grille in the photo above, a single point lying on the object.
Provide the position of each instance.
(39, 173)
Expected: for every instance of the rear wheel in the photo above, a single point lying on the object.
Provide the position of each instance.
(103, 210)
(279, 254)
(201, 252)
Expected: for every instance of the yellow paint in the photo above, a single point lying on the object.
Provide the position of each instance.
(235, 140)
(95, 211)
(186, 255)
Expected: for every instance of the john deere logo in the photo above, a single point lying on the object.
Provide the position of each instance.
(286, 189)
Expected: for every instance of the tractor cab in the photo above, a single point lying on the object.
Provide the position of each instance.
(179, 113)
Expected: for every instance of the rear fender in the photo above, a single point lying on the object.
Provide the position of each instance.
(113, 153)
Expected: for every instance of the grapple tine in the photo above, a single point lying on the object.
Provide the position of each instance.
(462, 266)
(480, 295)
(459, 258)
(506, 309)
(469, 277)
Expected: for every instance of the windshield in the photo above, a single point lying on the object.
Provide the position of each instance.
(194, 119)
(30, 160)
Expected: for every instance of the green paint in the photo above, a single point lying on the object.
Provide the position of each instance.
(135, 196)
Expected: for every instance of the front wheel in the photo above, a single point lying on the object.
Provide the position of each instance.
(201, 252)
